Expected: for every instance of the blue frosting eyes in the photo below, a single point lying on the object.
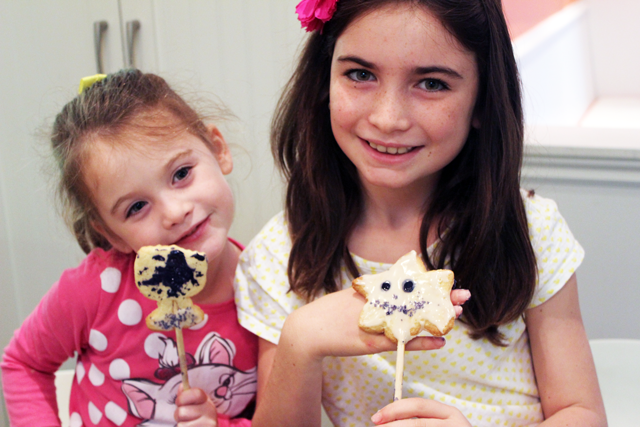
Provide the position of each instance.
(386, 286)
(408, 285)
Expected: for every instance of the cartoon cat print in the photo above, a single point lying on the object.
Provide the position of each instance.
(211, 370)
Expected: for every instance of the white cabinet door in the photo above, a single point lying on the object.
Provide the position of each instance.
(137, 25)
(240, 52)
(45, 48)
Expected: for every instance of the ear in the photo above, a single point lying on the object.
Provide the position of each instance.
(221, 149)
(117, 243)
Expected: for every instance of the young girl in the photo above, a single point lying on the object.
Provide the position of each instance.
(402, 129)
(138, 167)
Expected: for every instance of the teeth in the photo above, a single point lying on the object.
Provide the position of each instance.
(390, 150)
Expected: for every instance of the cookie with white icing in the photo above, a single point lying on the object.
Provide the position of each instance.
(406, 299)
(171, 275)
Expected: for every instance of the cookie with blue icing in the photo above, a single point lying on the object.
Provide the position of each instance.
(171, 275)
(407, 299)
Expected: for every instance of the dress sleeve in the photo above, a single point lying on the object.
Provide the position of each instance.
(261, 286)
(558, 253)
(51, 334)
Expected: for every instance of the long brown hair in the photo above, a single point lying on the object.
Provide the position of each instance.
(477, 208)
(112, 108)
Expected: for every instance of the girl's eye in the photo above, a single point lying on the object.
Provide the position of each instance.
(135, 208)
(433, 85)
(360, 75)
(182, 173)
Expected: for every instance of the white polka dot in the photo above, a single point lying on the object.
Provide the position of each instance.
(130, 312)
(201, 324)
(95, 376)
(115, 413)
(75, 420)
(110, 279)
(94, 413)
(154, 345)
(80, 371)
(97, 340)
(119, 370)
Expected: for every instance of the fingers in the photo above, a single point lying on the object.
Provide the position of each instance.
(425, 343)
(193, 396)
(460, 296)
(195, 409)
(429, 412)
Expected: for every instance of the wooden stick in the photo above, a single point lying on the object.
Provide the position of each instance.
(181, 354)
(399, 370)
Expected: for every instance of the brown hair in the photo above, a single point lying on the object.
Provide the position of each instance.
(477, 208)
(109, 109)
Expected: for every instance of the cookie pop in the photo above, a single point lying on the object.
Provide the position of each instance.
(405, 300)
(171, 275)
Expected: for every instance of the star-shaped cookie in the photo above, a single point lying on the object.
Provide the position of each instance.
(406, 299)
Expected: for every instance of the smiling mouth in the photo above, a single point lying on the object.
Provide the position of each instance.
(193, 231)
(390, 150)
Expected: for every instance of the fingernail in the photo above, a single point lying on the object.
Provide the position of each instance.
(376, 418)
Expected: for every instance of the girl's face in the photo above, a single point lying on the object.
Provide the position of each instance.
(402, 97)
(162, 192)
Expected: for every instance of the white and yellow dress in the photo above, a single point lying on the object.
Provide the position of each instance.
(491, 385)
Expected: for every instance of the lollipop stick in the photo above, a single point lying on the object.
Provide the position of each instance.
(399, 370)
(181, 355)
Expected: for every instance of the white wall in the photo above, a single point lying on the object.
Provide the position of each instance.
(573, 62)
(614, 35)
(554, 59)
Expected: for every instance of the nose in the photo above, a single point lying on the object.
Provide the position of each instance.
(175, 210)
(389, 111)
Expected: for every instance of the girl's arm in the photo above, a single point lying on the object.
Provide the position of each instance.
(30, 360)
(47, 338)
(290, 374)
(565, 372)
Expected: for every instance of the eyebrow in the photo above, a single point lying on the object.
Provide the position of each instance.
(168, 166)
(419, 70)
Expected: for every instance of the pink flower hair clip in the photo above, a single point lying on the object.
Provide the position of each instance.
(314, 13)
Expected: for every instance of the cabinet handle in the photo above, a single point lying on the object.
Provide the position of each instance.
(99, 28)
(132, 29)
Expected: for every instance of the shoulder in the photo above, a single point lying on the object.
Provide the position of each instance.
(546, 224)
(558, 252)
(261, 285)
(273, 242)
(99, 265)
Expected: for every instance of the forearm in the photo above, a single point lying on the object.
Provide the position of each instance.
(293, 391)
(29, 395)
(576, 416)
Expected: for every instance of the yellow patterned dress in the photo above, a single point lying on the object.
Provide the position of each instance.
(491, 385)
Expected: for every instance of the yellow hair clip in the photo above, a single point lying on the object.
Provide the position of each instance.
(86, 82)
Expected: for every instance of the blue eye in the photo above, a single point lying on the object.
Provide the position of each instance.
(408, 286)
(360, 75)
(182, 173)
(135, 208)
(386, 286)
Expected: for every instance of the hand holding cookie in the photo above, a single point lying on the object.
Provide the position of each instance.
(404, 301)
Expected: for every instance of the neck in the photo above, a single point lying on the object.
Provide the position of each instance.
(220, 276)
(394, 207)
(390, 223)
